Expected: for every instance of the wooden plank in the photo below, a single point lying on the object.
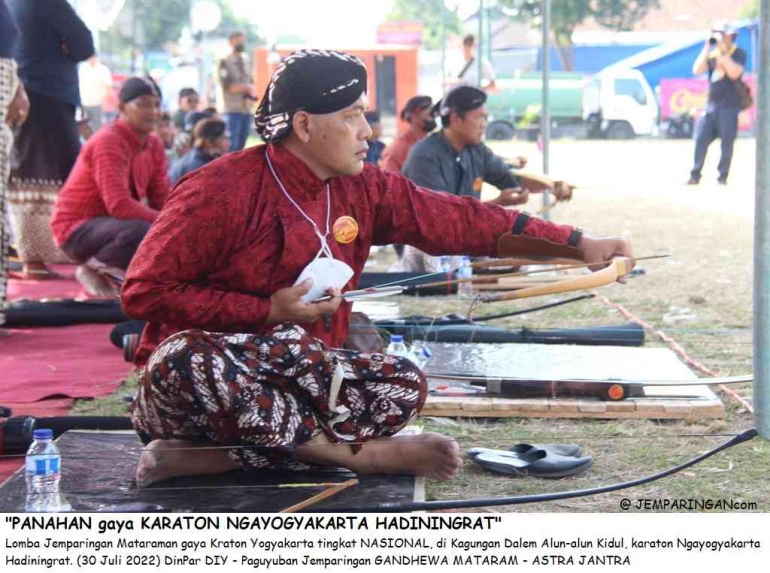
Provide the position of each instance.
(710, 406)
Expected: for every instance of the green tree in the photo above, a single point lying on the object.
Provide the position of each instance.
(751, 9)
(566, 15)
(430, 13)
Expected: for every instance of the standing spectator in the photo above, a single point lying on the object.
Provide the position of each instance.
(374, 152)
(418, 116)
(188, 102)
(95, 88)
(14, 108)
(237, 92)
(53, 41)
(469, 73)
(724, 62)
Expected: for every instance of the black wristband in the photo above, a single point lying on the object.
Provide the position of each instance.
(521, 222)
(574, 237)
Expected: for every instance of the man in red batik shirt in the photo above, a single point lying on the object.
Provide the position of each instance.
(239, 352)
(116, 189)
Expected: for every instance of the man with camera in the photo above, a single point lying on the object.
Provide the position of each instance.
(724, 62)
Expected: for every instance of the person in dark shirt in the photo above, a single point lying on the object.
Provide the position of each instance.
(53, 41)
(188, 102)
(724, 61)
(210, 140)
(455, 159)
(376, 147)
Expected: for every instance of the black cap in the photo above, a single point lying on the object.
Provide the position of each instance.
(136, 87)
(460, 99)
(193, 117)
(415, 104)
(210, 129)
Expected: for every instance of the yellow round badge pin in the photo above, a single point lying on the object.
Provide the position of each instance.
(345, 229)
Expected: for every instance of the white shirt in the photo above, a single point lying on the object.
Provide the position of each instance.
(471, 75)
(95, 84)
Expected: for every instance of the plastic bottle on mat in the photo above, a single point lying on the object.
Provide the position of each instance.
(397, 346)
(465, 272)
(419, 353)
(43, 472)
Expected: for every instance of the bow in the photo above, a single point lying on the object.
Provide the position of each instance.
(539, 498)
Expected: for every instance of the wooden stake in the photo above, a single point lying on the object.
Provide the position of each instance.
(332, 491)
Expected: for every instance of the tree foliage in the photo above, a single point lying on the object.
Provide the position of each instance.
(751, 9)
(566, 15)
(430, 13)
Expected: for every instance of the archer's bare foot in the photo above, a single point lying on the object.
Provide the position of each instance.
(429, 455)
(164, 459)
(94, 283)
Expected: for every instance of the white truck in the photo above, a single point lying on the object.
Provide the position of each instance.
(618, 103)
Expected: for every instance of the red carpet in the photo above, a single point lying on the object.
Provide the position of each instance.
(72, 361)
(67, 287)
(66, 363)
(45, 408)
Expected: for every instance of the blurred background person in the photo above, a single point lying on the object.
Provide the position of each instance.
(210, 140)
(166, 133)
(419, 120)
(468, 74)
(237, 91)
(376, 147)
(188, 102)
(724, 63)
(95, 87)
(53, 40)
(14, 109)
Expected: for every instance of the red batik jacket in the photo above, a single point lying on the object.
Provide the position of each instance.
(228, 238)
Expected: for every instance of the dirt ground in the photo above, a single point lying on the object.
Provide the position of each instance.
(701, 296)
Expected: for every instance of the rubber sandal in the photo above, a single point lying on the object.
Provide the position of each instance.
(570, 450)
(535, 463)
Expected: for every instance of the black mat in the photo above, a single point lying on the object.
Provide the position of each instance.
(98, 470)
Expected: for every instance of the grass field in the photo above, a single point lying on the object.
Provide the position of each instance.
(701, 297)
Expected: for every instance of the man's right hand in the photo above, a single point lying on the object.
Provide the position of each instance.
(511, 197)
(286, 306)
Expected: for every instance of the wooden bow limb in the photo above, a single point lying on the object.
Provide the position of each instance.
(527, 279)
(619, 267)
(332, 491)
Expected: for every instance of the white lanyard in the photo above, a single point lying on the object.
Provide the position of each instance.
(324, 244)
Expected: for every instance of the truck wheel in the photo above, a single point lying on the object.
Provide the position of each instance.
(620, 130)
(500, 130)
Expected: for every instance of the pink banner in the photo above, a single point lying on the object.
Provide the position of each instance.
(689, 96)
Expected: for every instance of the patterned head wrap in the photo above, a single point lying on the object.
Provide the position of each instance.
(315, 81)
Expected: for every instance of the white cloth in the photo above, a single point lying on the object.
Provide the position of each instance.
(95, 84)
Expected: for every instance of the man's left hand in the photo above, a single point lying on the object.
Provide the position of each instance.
(600, 250)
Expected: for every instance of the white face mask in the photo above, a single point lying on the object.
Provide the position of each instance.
(326, 272)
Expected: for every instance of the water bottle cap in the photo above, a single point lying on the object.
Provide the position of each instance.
(43, 434)
(397, 338)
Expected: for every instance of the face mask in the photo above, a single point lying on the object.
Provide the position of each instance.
(429, 125)
(326, 272)
(240, 48)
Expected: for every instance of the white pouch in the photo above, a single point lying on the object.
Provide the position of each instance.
(326, 272)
